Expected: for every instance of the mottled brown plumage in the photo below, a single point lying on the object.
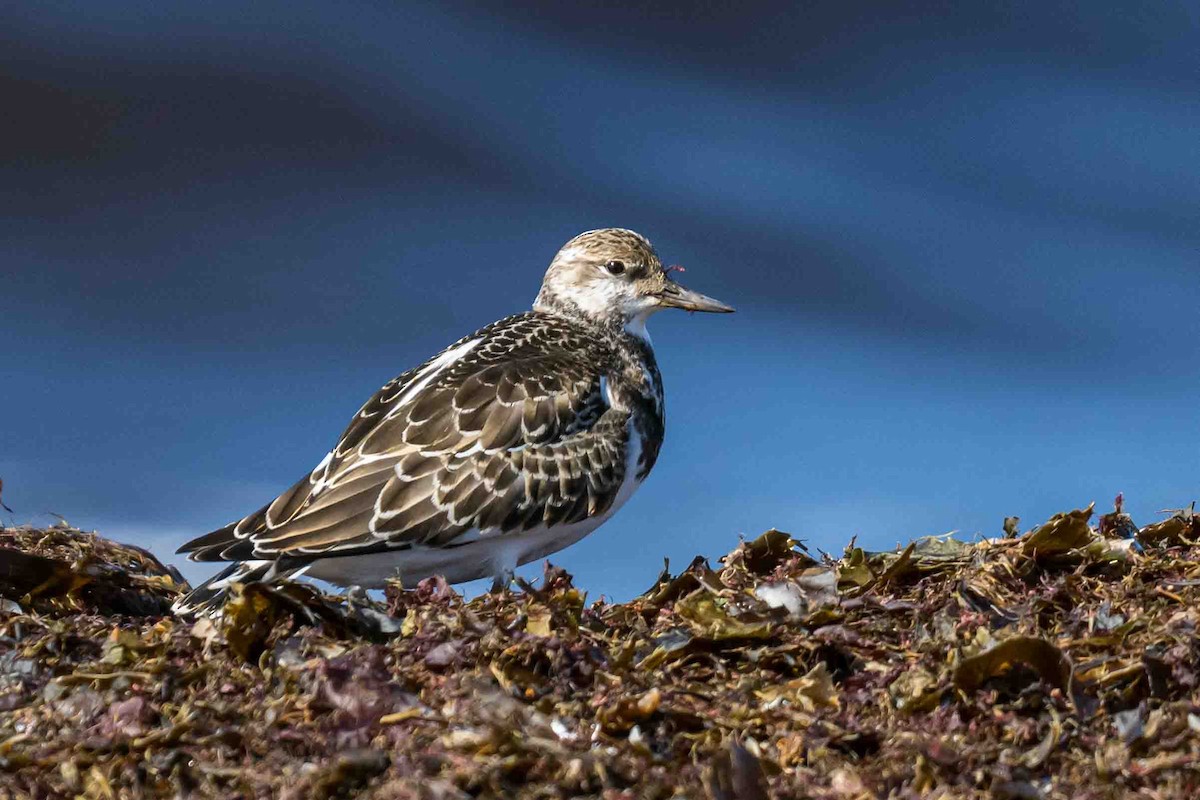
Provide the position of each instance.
(544, 421)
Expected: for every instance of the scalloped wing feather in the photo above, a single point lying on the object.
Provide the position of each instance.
(505, 430)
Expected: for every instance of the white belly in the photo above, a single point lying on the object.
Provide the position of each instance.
(484, 555)
(482, 558)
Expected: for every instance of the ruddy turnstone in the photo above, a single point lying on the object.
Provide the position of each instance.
(512, 443)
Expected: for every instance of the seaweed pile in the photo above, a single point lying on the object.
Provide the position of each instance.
(1061, 663)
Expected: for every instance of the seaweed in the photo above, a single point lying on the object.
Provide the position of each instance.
(1059, 663)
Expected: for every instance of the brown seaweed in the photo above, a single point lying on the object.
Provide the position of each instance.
(1061, 663)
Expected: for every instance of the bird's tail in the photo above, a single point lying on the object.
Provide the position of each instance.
(208, 598)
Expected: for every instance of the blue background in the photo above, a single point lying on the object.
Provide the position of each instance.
(962, 239)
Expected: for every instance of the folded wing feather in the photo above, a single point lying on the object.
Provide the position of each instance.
(511, 435)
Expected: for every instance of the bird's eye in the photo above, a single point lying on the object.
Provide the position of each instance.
(615, 267)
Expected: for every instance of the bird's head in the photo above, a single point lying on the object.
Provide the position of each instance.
(613, 276)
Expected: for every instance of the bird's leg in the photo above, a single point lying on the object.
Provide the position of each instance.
(502, 581)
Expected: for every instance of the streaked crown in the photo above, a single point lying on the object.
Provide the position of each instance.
(613, 275)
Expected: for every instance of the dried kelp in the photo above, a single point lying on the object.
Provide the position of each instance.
(1060, 664)
(62, 568)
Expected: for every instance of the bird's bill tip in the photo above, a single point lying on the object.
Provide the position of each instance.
(678, 296)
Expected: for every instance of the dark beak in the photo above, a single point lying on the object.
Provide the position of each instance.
(674, 295)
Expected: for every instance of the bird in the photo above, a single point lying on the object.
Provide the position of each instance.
(514, 442)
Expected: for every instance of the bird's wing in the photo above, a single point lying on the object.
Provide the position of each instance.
(502, 432)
